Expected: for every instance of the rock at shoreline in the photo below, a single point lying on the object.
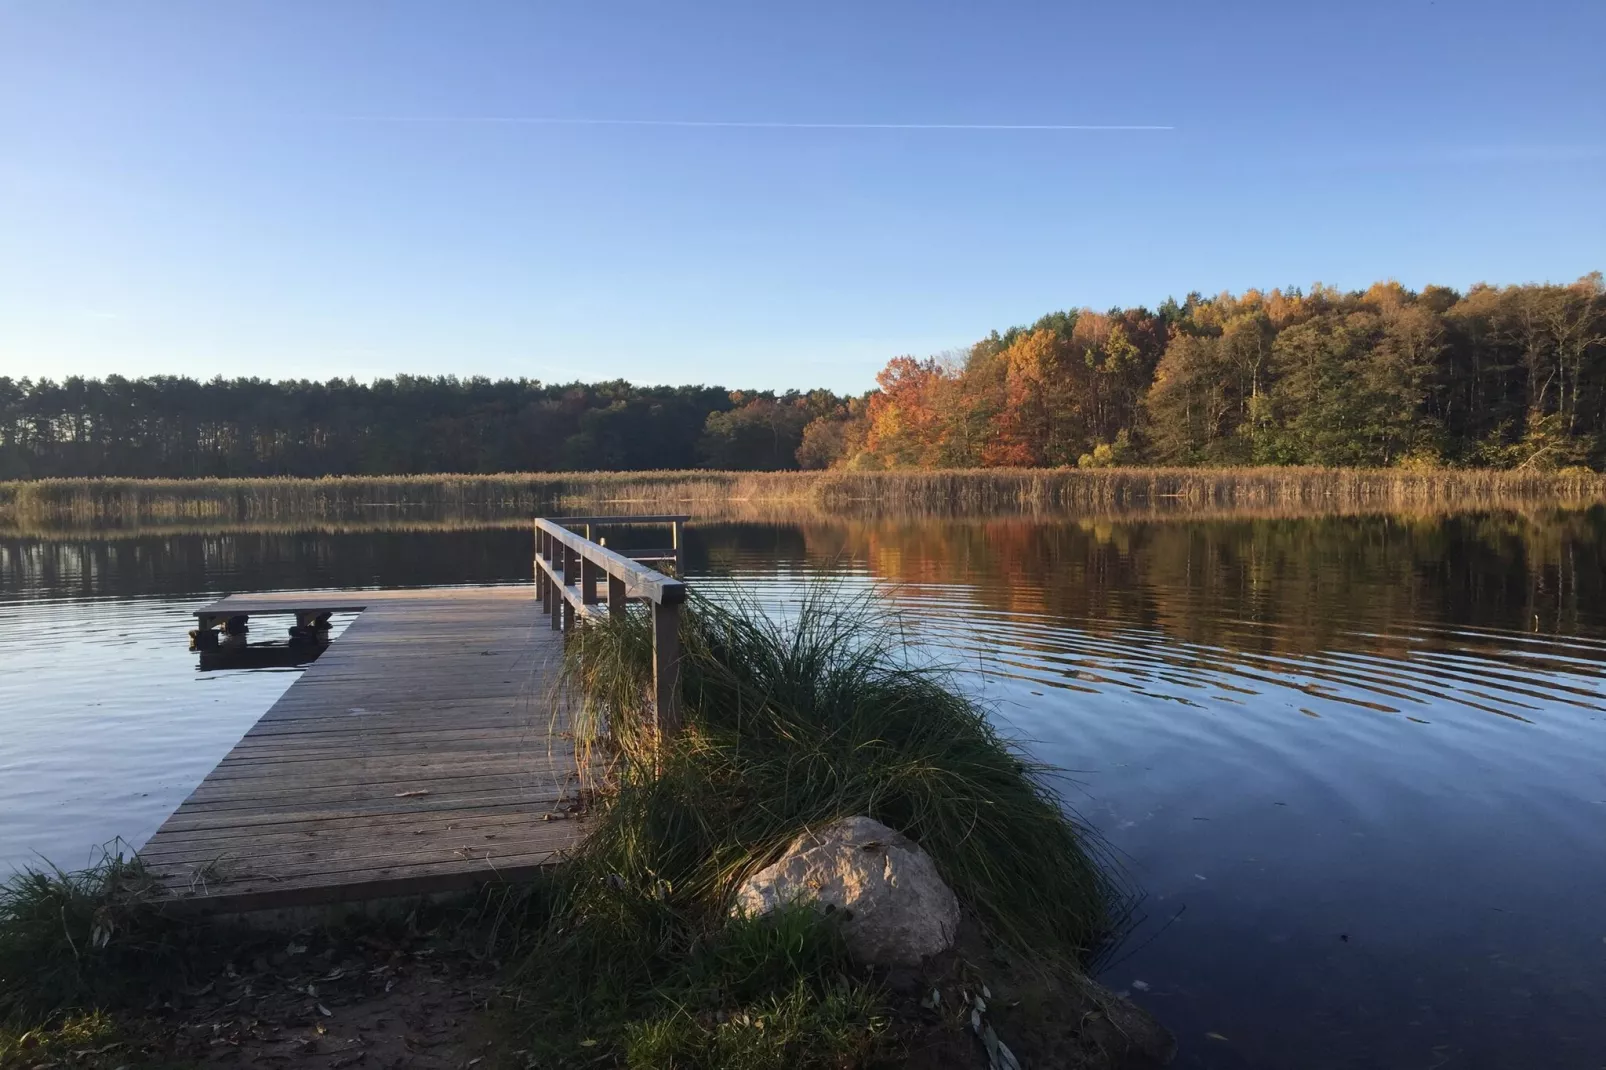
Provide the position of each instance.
(897, 908)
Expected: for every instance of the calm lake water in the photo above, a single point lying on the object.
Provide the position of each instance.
(1356, 767)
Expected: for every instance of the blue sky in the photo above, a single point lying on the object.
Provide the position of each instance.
(311, 190)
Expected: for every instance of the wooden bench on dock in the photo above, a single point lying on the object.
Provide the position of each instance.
(417, 754)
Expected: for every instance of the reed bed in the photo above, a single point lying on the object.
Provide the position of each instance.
(476, 499)
(766, 512)
(342, 497)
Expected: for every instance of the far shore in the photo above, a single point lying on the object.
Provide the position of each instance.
(449, 500)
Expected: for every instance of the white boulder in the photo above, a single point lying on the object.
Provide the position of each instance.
(897, 908)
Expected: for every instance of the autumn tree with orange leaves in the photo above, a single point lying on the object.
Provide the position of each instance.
(1510, 377)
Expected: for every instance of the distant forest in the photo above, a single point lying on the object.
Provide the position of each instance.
(1502, 377)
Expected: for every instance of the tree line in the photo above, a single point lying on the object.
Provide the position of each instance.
(1500, 377)
(178, 427)
(1503, 377)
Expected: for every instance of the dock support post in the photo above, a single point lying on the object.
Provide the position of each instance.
(616, 597)
(556, 553)
(680, 553)
(589, 573)
(666, 668)
(543, 585)
(571, 574)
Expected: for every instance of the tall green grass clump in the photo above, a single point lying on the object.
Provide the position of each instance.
(789, 723)
(795, 722)
(74, 941)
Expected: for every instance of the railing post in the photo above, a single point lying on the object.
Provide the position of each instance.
(571, 573)
(543, 582)
(559, 557)
(680, 553)
(616, 597)
(666, 668)
(554, 607)
(589, 574)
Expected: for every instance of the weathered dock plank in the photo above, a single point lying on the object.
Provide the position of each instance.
(415, 755)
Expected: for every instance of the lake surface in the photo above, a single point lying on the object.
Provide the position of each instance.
(1356, 767)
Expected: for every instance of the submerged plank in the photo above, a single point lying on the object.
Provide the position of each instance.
(417, 754)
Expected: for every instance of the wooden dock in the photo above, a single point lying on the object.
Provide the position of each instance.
(415, 755)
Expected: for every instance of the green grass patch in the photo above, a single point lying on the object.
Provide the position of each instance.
(790, 722)
(91, 1040)
(74, 941)
(827, 713)
(73, 944)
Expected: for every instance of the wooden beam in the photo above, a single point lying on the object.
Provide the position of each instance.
(618, 521)
(558, 590)
(616, 597)
(571, 575)
(590, 572)
(543, 582)
(666, 668)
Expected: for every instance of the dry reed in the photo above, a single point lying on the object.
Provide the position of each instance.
(473, 500)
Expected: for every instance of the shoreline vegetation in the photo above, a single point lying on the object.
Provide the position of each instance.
(629, 954)
(383, 502)
(1510, 377)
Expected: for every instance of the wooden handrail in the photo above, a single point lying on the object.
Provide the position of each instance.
(674, 520)
(569, 568)
(618, 520)
(641, 581)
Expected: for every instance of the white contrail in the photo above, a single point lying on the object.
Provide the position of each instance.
(523, 120)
